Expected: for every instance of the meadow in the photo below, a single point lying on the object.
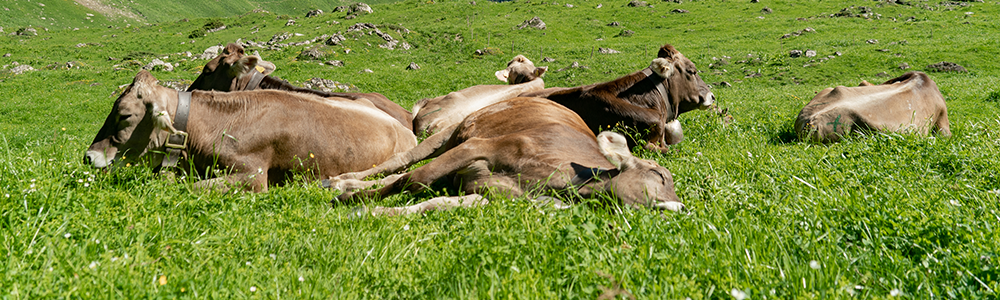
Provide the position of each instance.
(769, 216)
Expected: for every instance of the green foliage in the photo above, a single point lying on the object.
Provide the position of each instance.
(768, 216)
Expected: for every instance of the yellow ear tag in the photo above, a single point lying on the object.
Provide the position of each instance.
(260, 69)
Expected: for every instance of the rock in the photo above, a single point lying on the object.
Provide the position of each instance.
(679, 11)
(327, 85)
(574, 65)
(872, 41)
(20, 69)
(838, 53)
(486, 51)
(810, 53)
(278, 37)
(626, 33)
(335, 63)
(366, 71)
(766, 10)
(637, 3)
(311, 54)
(945, 66)
(313, 13)
(159, 64)
(26, 31)
(809, 29)
(882, 74)
(753, 75)
(904, 66)
(722, 84)
(614, 24)
(335, 39)
(754, 1)
(413, 66)
(359, 8)
(290, 23)
(569, 5)
(547, 59)
(211, 52)
(6, 55)
(600, 5)
(607, 51)
(795, 53)
(535, 23)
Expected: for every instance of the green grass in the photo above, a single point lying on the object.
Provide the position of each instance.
(878, 215)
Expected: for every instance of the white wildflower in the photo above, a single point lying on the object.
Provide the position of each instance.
(67, 235)
(895, 292)
(955, 202)
(738, 294)
(248, 263)
(253, 289)
(273, 256)
(814, 264)
(406, 227)
(302, 279)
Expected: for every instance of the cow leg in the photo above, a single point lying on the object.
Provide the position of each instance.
(250, 181)
(941, 125)
(450, 162)
(431, 147)
(437, 203)
(347, 185)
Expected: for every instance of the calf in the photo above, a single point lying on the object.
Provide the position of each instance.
(647, 100)
(259, 137)
(516, 147)
(432, 115)
(233, 70)
(908, 103)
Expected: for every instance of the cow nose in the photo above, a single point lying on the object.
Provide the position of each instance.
(670, 205)
(87, 160)
(707, 101)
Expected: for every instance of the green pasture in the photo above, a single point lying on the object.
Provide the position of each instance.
(769, 217)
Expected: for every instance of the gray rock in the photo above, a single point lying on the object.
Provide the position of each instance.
(335, 39)
(810, 53)
(211, 52)
(548, 59)
(290, 23)
(313, 13)
(20, 69)
(872, 41)
(722, 84)
(327, 85)
(766, 10)
(359, 8)
(626, 33)
(637, 3)
(904, 66)
(81, 45)
(413, 66)
(311, 53)
(6, 55)
(158, 64)
(366, 71)
(614, 24)
(607, 51)
(335, 63)
(795, 53)
(945, 66)
(680, 11)
(535, 23)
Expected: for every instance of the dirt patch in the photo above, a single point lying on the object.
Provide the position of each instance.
(107, 10)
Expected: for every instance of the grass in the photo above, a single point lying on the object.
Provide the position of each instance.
(877, 216)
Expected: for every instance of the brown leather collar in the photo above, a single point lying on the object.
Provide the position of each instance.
(659, 87)
(255, 79)
(177, 143)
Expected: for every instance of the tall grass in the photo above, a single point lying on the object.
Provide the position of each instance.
(879, 216)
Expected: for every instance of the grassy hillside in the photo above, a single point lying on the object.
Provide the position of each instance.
(881, 216)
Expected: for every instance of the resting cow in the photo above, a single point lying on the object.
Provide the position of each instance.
(258, 137)
(519, 146)
(233, 70)
(908, 103)
(650, 99)
(432, 115)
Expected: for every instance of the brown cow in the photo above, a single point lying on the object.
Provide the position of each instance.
(259, 137)
(908, 103)
(232, 70)
(650, 99)
(519, 146)
(432, 115)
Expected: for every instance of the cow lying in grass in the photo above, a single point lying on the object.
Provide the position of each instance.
(908, 103)
(647, 100)
(233, 70)
(258, 137)
(431, 115)
(513, 148)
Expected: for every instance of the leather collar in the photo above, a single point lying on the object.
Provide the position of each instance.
(255, 79)
(177, 143)
(659, 87)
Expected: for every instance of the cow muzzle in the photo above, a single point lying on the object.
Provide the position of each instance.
(706, 101)
(669, 205)
(98, 159)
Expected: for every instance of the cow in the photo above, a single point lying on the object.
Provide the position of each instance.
(908, 103)
(433, 114)
(647, 101)
(522, 146)
(233, 70)
(258, 137)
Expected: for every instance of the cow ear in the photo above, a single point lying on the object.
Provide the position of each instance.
(244, 65)
(265, 67)
(865, 83)
(144, 83)
(667, 51)
(502, 75)
(233, 48)
(663, 67)
(614, 147)
(540, 70)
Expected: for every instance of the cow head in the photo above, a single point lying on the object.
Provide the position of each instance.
(687, 90)
(139, 121)
(639, 182)
(227, 71)
(520, 70)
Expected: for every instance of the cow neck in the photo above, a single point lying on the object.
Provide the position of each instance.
(659, 86)
(255, 79)
(177, 142)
